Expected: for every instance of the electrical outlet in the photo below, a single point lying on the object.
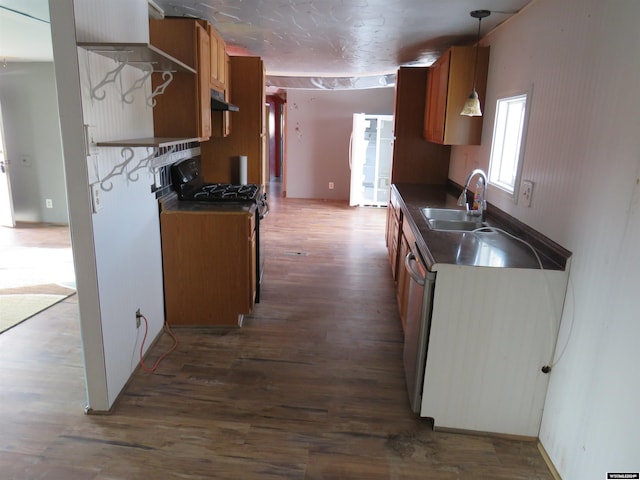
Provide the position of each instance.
(331, 185)
(138, 317)
(48, 203)
(526, 191)
(96, 198)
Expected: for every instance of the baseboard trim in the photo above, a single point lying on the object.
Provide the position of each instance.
(90, 411)
(547, 460)
(506, 436)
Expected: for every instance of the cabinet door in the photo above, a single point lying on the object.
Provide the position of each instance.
(402, 292)
(208, 263)
(222, 62)
(226, 117)
(393, 235)
(214, 58)
(221, 120)
(436, 99)
(204, 74)
(218, 64)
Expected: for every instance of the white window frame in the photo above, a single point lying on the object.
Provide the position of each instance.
(498, 134)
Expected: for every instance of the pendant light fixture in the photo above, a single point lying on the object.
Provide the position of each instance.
(472, 105)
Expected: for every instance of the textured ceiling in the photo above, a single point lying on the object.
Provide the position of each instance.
(304, 43)
(344, 38)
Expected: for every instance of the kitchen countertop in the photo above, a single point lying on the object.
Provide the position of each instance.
(478, 249)
(171, 203)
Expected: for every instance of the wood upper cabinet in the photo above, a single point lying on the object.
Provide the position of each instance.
(414, 159)
(218, 61)
(449, 83)
(184, 109)
(248, 136)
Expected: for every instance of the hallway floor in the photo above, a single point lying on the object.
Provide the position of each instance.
(311, 387)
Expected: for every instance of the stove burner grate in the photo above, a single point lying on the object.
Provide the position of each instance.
(225, 192)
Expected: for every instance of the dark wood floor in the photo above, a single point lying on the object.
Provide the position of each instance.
(311, 387)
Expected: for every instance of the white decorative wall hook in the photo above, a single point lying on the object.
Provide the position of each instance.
(110, 77)
(126, 152)
(168, 78)
(142, 164)
(138, 84)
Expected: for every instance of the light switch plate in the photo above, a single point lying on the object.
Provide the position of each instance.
(96, 198)
(526, 191)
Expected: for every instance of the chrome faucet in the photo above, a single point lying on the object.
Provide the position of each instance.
(482, 200)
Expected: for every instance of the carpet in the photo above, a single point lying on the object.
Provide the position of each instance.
(21, 303)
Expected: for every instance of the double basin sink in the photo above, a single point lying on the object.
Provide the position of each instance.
(451, 219)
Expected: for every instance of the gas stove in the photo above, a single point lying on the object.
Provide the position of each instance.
(189, 185)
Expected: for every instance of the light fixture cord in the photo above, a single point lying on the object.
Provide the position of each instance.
(475, 70)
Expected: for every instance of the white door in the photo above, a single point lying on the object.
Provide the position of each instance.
(357, 155)
(370, 159)
(6, 203)
(384, 155)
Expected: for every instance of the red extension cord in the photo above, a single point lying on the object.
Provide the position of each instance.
(146, 331)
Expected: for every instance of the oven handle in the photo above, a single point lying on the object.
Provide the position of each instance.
(264, 211)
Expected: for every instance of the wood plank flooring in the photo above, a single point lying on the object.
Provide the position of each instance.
(311, 387)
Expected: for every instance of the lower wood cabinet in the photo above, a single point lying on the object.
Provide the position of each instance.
(407, 244)
(393, 232)
(208, 261)
(400, 241)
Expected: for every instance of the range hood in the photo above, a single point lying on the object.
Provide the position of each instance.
(218, 103)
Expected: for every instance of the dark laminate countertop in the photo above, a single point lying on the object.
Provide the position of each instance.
(170, 203)
(481, 249)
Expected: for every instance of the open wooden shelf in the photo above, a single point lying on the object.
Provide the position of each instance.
(138, 55)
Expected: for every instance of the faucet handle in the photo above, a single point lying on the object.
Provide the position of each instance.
(462, 199)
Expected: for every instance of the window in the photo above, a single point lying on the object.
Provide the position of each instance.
(508, 140)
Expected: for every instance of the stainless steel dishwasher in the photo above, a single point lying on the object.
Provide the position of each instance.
(416, 338)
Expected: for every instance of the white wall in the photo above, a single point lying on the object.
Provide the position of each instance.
(32, 131)
(583, 153)
(116, 250)
(317, 134)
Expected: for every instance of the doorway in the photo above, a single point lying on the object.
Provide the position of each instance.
(7, 218)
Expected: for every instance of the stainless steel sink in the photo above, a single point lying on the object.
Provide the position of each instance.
(454, 225)
(451, 219)
(445, 214)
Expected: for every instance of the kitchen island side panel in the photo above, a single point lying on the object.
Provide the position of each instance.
(492, 331)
